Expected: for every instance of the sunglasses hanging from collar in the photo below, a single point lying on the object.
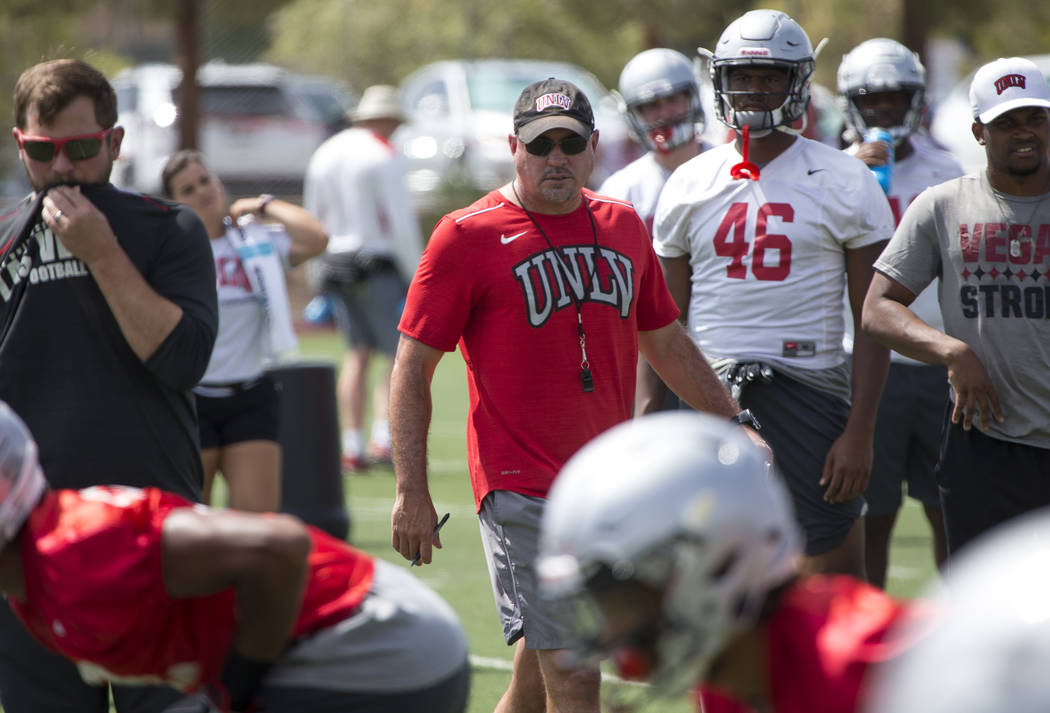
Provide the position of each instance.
(586, 377)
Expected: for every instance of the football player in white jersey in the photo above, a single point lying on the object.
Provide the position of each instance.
(659, 96)
(758, 239)
(882, 84)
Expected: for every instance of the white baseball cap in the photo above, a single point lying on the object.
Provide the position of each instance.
(1006, 84)
(379, 101)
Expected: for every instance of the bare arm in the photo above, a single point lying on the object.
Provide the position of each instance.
(888, 319)
(308, 236)
(262, 557)
(679, 363)
(650, 389)
(413, 518)
(144, 316)
(847, 467)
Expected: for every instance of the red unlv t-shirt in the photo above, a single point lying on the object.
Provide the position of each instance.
(508, 293)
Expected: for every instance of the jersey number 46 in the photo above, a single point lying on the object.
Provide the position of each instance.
(731, 242)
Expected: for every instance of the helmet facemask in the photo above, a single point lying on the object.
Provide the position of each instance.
(662, 538)
(780, 115)
(672, 610)
(763, 38)
(653, 75)
(860, 120)
(666, 135)
(882, 65)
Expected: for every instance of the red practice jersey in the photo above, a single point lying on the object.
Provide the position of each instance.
(821, 641)
(94, 590)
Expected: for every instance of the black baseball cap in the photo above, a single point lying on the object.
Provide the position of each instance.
(552, 104)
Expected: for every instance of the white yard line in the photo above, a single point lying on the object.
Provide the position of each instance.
(496, 664)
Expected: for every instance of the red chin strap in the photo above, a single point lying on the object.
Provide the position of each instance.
(745, 169)
(632, 663)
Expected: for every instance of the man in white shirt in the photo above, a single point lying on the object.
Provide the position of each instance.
(355, 184)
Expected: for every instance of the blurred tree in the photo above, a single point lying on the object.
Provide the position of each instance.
(235, 30)
(365, 42)
(368, 42)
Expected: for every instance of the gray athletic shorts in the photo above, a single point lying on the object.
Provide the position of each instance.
(800, 423)
(403, 638)
(510, 530)
(908, 437)
(367, 311)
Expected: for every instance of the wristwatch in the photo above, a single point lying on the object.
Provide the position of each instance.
(746, 418)
(264, 200)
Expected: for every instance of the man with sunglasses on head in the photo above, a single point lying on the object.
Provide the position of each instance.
(550, 291)
(107, 320)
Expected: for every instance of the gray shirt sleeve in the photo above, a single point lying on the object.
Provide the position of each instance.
(912, 257)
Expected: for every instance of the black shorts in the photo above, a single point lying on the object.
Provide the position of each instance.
(250, 411)
(800, 423)
(908, 434)
(986, 481)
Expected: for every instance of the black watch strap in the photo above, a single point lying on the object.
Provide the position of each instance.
(746, 418)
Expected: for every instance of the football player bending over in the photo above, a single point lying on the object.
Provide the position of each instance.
(252, 611)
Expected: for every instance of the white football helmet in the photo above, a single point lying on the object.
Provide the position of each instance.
(22, 480)
(986, 646)
(882, 65)
(654, 74)
(763, 38)
(683, 503)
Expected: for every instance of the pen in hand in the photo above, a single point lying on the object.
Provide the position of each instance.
(415, 560)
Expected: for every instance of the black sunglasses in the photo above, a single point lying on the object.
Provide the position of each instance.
(77, 148)
(570, 145)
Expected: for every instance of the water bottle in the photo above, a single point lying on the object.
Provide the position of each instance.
(883, 173)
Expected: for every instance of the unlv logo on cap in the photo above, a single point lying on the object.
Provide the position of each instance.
(554, 99)
(1009, 80)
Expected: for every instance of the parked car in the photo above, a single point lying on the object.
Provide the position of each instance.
(953, 116)
(258, 123)
(459, 113)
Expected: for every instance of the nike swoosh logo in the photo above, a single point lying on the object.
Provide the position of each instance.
(811, 171)
(508, 239)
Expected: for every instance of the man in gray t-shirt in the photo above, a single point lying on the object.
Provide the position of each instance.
(987, 237)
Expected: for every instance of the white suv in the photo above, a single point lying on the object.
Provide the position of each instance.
(258, 123)
(460, 112)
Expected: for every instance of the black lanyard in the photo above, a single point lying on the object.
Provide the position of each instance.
(585, 366)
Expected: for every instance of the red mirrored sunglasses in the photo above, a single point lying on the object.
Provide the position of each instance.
(77, 148)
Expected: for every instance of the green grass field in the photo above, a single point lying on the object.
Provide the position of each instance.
(459, 572)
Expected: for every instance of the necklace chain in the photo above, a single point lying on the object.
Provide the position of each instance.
(1015, 237)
